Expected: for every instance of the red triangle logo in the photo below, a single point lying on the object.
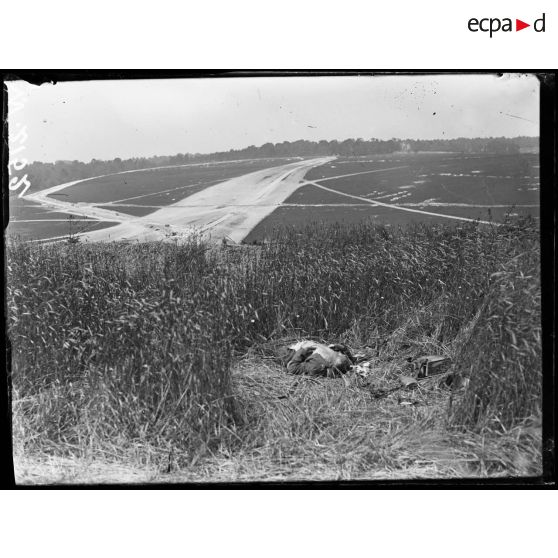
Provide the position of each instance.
(519, 25)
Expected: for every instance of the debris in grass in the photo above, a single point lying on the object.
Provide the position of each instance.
(402, 401)
(317, 359)
(408, 382)
(365, 354)
(363, 369)
(428, 365)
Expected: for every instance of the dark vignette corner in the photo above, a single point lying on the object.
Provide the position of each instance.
(6, 463)
(548, 163)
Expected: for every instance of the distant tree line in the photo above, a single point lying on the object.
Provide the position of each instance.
(44, 175)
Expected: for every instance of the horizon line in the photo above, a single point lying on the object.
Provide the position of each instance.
(279, 143)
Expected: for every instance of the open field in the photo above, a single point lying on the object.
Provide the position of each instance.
(144, 189)
(228, 210)
(393, 190)
(160, 362)
(331, 213)
(481, 187)
(30, 220)
(160, 186)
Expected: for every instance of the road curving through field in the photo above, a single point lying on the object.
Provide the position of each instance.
(376, 202)
(228, 210)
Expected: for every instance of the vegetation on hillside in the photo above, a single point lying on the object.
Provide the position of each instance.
(166, 350)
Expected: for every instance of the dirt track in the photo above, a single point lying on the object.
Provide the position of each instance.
(230, 209)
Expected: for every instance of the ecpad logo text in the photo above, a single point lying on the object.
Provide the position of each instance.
(492, 25)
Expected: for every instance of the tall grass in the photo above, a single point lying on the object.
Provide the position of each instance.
(127, 345)
(503, 355)
(113, 344)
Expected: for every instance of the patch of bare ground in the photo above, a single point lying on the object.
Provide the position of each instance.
(300, 428)
(313, 429)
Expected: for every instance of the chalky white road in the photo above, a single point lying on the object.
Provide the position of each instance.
(228, 210)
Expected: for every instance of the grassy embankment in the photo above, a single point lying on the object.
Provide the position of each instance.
(158, 362)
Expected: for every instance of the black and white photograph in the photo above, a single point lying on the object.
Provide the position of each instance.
(274, 278)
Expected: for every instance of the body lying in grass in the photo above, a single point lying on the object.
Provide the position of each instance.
(315, 359)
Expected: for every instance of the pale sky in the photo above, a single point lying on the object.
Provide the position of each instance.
(141, 118)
